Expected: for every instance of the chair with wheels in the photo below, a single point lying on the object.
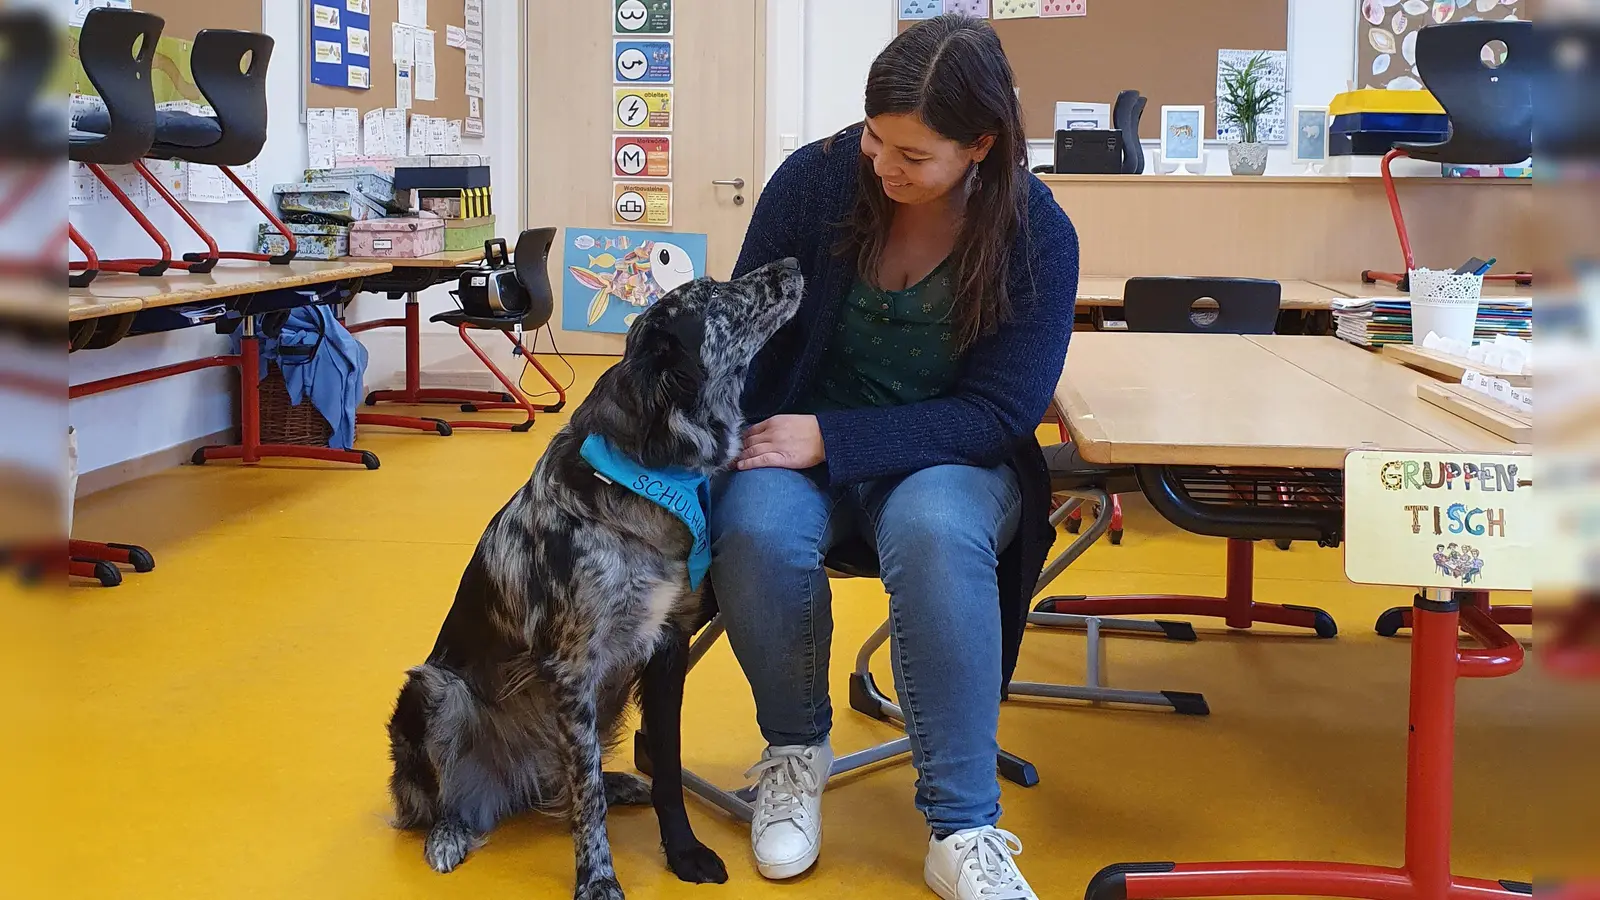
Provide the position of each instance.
(117, 48)
(1199, 306)
(1489, 101)
(531, 260)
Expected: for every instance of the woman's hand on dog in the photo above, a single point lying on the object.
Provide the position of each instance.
(783, 442)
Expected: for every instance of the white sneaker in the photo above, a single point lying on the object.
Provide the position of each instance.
(786, 833)
(976, 865)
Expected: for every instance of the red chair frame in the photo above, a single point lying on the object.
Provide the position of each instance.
(1437, 662)
(1402, 280)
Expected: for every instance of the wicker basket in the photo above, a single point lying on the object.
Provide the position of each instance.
(283, 423)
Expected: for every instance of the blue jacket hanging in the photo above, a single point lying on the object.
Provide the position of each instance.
(685, 494)
(322, 361)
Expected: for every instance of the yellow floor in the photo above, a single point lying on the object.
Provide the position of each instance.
(216, 728)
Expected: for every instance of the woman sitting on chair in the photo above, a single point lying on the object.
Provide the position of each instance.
(899, 408)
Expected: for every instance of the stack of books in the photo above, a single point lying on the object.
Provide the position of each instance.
(1375, 321)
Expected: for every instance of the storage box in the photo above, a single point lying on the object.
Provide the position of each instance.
(413, 177)
(456, 203)
(311, 241)
(401, 237)
(468, 234)
(328, 200)
(367, 181)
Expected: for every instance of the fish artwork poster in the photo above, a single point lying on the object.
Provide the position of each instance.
(611, 276)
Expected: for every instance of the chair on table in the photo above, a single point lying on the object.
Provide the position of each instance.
(116, 48)
(1490, 107)
(531, 260)
(855, 559)
(1202, 306)
(28, 51)
(230, 69)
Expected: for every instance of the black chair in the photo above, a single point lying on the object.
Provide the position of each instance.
(230, 69)
(1490, 107)
(1566, 120)
(1202, 305)
(531, 260)
(1126, 114)
(34, 130)
(117, 48)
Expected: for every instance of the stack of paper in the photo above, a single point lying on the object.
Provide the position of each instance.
(1374, 321)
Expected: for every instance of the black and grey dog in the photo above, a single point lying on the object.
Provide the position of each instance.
(578, 601)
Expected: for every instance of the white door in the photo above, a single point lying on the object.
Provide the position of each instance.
(719, 83)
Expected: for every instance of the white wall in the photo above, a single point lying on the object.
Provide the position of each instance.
(138, 421)
(837, 40)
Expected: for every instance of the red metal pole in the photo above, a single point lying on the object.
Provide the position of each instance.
(1241, 584)
(1430, 750)
(1394, 207)
(413, 347)
(249, 393)
(212, 253)
(90, 388)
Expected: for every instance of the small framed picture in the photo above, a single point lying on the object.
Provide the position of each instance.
(1183, 131)
(1310, 135)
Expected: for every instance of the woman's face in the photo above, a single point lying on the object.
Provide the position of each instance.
(915, 163)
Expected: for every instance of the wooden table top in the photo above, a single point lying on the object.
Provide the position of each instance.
(1491, 289)
(1284, 401)
(442, 259)
(115, 293)
(1107, 290)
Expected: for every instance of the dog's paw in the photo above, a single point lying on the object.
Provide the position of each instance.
(599, 889)
(448, 844)
(697, 864)
(623, 789)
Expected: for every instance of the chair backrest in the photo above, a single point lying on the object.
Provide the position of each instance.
(230, 69)
(27, 52)
(1125, 115)
(1202, 305)
(532, 262)
(117, 48)
(1490, 106)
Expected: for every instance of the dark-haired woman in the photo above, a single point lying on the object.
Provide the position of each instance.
(899, 408)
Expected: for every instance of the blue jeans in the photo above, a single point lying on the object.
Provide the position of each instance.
(938, 533)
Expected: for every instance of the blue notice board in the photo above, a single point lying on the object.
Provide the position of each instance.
(341, 43)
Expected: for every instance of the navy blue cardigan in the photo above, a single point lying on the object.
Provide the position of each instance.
(988, 418)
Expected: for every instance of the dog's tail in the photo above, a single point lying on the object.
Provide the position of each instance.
(415, 782)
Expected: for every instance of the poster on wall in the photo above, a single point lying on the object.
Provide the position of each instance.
(1386, 34)
(642, 62)
(1273, 126)
(641, 203)
(341, 43)
(610, 276)
(641, 17)
(1456, 521)
(920, 9)
(1016, 9)
(643, 109)
(641, 156)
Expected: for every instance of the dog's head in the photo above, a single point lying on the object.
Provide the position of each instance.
(674, 397)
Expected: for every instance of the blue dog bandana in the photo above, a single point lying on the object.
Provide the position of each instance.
(685, 494)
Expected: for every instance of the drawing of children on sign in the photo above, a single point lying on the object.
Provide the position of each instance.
(1463, 563)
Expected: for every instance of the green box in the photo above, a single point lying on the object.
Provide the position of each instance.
(468, 234)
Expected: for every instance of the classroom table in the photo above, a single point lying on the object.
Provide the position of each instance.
(1217, 426)
(409, 277)
(114, 306)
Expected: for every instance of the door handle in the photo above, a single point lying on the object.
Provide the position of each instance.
(737, 183)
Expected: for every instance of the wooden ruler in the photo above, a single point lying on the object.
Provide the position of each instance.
(1447, 367)
(1510, 424)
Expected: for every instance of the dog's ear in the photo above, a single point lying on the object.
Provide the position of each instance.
(672, 367)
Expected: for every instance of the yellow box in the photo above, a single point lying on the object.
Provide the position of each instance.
(1379, 100)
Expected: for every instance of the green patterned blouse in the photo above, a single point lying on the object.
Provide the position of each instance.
(890, 348)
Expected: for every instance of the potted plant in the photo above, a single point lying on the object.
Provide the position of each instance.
(1244, 101)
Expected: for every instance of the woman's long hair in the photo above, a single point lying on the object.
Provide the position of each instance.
(951, 72)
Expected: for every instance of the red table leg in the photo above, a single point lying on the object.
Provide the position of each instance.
(412, 323)
(1237, 607)
(250, 449)
(1436, 663)
(1397, 618)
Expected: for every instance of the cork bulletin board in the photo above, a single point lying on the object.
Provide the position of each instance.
(450, 65)
(1164, 49)
(186, 18)
(1386, 34)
